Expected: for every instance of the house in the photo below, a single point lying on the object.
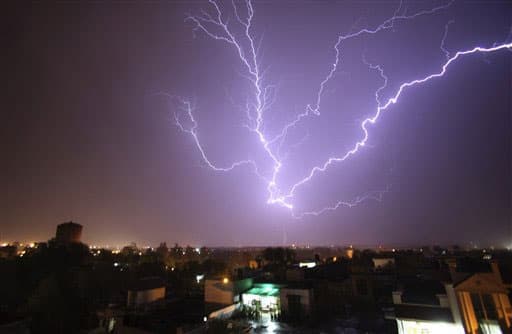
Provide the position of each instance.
(484, 304)
(473, 303)
(146, 291)
(264, 298)
(224, 291)
(427, 306)
(297, 300)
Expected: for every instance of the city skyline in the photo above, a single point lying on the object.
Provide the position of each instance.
(386, 247)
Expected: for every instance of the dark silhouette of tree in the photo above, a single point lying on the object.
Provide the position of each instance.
(278, 256)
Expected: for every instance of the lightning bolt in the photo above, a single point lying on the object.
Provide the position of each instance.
(239, 35)
(391, 101)
(373, 195)
(187, 109)
(248, 57)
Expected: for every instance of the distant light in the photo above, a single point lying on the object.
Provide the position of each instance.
(205, 318)
(198, 250)
(140, 253)
(307, 264)
(334, 259)
(116, 264)
(199, 278)
(393, 250)
(31, 245)
(5, 244)
(225, 280)
(172, 269)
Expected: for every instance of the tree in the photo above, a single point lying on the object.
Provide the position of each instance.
(278, 256)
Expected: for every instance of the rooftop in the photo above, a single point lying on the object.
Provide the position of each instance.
(427, 313)
(147, 283)
(264, 289)
(70, 223)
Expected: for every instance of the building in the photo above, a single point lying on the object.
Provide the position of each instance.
(146, 291)
(484, 304)
(68, 233)
(382, 263)
(425, 306)
(267, 300)
(476, 304)
(297, 300)
(8, 252)
(225, 291)
(222, 296)
(264, 298)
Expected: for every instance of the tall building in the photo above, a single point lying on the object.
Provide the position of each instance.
(68, 233)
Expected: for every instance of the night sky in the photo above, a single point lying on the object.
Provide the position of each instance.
(87, 137)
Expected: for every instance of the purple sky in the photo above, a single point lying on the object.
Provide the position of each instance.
(87, 139)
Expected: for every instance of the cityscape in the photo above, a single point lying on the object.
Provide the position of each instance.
(182, 289)
(250, 166)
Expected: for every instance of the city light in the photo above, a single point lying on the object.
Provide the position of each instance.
(309, 264)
